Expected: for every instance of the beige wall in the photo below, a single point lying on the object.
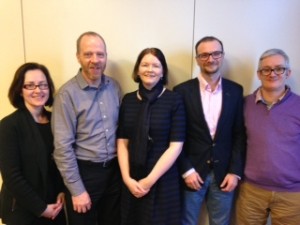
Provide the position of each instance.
(11, 48)
(46, 31)
(247, 28)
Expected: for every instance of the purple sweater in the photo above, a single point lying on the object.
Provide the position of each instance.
(273, 143)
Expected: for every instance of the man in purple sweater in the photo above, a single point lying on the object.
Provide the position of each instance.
(272, 172)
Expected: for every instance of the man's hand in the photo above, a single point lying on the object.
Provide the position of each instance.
(194, 181)
(82, 203)
(229, 183)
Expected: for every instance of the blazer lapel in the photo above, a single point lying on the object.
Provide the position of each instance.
(196, 97)
(226, 98)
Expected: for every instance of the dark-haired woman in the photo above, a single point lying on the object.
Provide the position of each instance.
(31, 192)
(150, 138)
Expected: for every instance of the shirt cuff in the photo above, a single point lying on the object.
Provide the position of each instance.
(238, 177)
(187, 173)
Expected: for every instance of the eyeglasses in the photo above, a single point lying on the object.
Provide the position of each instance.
(277, 70)
(32, 86)
(205, 56)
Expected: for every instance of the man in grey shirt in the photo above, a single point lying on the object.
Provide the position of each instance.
(84, 123)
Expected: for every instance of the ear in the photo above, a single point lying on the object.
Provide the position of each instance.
(288, 73)
(77, 56)
(258, 75)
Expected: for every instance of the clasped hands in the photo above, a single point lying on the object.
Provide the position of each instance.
(139, 188)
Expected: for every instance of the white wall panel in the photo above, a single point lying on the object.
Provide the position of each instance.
(11, 49)
(247, 29)
(128, 26)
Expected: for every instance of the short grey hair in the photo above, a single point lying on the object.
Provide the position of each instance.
(275, 51)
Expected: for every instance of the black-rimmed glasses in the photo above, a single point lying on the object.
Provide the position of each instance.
(277, 70)
(32, 86)
(214, 55)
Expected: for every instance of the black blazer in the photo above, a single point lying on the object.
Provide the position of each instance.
(226, 152)
(24, 168)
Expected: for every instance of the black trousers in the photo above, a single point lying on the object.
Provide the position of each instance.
(103, 184)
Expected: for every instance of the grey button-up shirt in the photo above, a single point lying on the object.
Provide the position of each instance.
(84, 123)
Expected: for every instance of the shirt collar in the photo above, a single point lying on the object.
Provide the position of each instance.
(259, 97)
(83, 84)
(204, 86)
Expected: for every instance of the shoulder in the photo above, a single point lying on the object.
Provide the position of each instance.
(130, 96)
(187, 84)
(69, 86)
(16, 119)
(172, 94)
(250, 98)
(110, 80)
(231, 86)
(171, 99)
(9, 119)
(14, 116)
(295, 98)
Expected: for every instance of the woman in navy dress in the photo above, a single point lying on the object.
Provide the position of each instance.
(150, 138)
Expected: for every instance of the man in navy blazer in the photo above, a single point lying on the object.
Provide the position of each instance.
(213, 156)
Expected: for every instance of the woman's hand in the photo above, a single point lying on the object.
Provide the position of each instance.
(52, 210)
(136, 188)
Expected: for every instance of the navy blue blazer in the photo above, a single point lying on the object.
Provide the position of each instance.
(226, 152)
(24, 168)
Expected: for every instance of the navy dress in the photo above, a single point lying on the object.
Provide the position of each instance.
(161, 206)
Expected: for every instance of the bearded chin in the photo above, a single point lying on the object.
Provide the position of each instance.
(212, 71)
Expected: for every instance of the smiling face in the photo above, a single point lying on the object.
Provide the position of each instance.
(92, 58)
(36, 98)
(273, 82)
(210, 66)
(150, 71)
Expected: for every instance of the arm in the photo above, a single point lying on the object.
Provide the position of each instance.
(64, 122)
(239, 140)
(12, 169)
(238, 148)
(162, 165)
(134, 187)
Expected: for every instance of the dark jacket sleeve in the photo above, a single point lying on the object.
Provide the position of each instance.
(15, 160)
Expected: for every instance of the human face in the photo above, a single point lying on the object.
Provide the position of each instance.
(36, 98)
(92, 58)
(273, 82)
(211, 66)
(150, 71)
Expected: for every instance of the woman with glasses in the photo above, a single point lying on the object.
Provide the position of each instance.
(31, 192)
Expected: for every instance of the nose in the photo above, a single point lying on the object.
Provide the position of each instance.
(210, 58)
(37, 89)
(94, 58)
(150, 68)
(273, 73)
